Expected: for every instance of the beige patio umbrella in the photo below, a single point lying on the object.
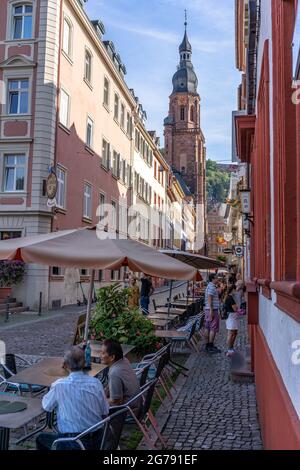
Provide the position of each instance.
(81, 248)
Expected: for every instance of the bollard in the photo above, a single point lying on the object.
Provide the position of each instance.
(40, 304)
(7, 310)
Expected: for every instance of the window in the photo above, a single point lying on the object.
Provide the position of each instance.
(9, 234)
(22, 21)
(182, 113)
(116, 108)
(88, 66)
(122, 119)
(113, 221)
(115, 163)
(129, 125)
(14, 173)
(192, 113)
(105, 153)
(61, 187)
(87, 201)
(89, 132)
(56, 271)
(64, 108)
(66, 45)
(106, 92)
(18, 96)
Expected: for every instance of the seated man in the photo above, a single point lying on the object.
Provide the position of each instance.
(122, 381)
(79, 401)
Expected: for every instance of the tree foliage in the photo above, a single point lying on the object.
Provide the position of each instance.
(217, 184)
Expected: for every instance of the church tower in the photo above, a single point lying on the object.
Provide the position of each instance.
(184, 140)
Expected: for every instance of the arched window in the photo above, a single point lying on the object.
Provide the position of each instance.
(182, 113)
(22, 21)
(183, 56)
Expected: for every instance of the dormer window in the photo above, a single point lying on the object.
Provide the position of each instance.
(22, 21)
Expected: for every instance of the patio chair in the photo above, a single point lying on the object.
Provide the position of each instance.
(10, 369)
(188, 332)
(145, 415)
(111, 427)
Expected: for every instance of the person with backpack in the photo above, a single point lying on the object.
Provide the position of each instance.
(230, 309)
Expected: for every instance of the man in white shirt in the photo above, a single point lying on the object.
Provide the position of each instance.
(79, 401)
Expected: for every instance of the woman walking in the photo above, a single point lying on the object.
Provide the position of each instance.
(232, 322)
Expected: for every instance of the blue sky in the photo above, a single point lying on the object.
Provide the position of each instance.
(147, 33)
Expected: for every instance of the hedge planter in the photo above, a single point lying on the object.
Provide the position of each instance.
(5, 292)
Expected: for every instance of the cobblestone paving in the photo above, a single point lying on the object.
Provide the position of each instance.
(211, 411)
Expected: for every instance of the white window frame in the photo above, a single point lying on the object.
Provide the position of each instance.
(108, 92)
(114, 215)
(67, 123)
(116, 117)
(68, 52)
(105, 161)
(87, 52)
(19, 90)
(122, 115)
(61, 187)
(12, 19)
(87, 196)
(89, 121)
(14, 154)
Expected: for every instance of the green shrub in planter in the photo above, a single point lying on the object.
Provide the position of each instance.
(114, 319)
(11, 273)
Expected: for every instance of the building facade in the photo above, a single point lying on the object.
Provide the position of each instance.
(68, 111)
(268, 142)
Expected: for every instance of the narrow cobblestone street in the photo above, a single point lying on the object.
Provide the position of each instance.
(211, 411)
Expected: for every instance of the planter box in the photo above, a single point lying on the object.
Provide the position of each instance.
(5, 292)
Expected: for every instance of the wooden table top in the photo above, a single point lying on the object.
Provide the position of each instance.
(161, 323)
(173, 311)
(169, 334)
(49, 370)
(183, 301)
(162, 316)
(19, 419)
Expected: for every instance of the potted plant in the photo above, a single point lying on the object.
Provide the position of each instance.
(11, 273)
(114, 319)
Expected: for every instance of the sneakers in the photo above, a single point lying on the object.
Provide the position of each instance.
(230, 352)
(210, 348)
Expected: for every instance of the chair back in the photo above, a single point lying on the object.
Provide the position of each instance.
(148, 399)
(154, 304)
(113, 430)
(163, 361)
(142, 374)
(10, 367)
(193, 329)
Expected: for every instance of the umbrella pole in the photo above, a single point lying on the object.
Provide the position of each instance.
(193, 290)
(89, 305)
(170, 297)
(187, 293)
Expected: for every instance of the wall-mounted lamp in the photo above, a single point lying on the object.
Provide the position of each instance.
(246, 207)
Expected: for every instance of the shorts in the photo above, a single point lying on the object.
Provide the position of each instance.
(212, 325)
(232, 322)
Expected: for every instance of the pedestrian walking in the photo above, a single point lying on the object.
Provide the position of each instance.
(134, 294)
(212, 304)
(232, 321)
(146, 291)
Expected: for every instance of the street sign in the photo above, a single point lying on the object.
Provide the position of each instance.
(239, 251)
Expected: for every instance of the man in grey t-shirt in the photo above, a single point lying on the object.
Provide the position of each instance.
(122, 381)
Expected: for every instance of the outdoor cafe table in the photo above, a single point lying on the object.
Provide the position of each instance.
(171, 334)
(163, 316)
(49, 370)
(173, 311)
(17, 420)
(161, 323)
(96, 347)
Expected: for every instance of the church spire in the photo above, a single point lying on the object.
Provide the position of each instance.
(185, 48)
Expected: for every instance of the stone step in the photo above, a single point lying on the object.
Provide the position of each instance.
(10, 305)
(14, 310)
(4, 301)
(240, 369)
